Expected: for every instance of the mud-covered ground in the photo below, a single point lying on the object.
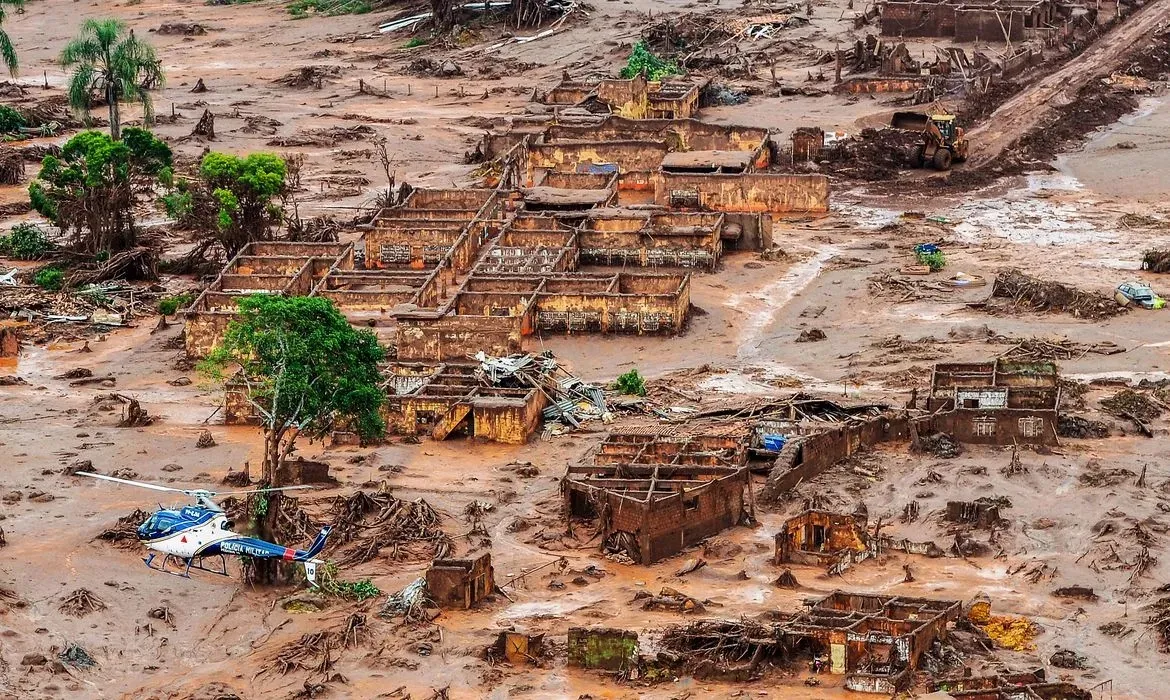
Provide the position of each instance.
(1072, 517)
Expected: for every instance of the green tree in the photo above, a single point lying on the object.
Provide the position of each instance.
(7, 50)
(243, 190)
(90, 190)
(108, 59)
(305, 370)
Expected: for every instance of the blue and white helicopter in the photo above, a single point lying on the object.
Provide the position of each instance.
(191, 533)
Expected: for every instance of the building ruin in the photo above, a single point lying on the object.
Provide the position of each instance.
(996, 402)
(653, 509)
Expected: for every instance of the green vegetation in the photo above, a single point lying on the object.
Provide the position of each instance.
(90, 191)
(50, 278)
(353, 590)
(928, 254)
(643, 61)
(11, 120)
(631, 383)
(7, 50)
(167, 306)
(109, 59)
(301, 9)
(935, 261)
(305, 370)
(238, 193)
(25, 242)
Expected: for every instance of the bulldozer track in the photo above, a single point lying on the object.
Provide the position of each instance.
(1028, 109)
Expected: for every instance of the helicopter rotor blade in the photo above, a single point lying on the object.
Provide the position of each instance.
(277, 488)
(140, 484)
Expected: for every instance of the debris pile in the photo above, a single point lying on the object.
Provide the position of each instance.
(80, 603)
(365, 523)
(76, 656)
(1079, 427)
(571, 401)
(326, 136)
(1156, 261)
(1049, 350)
(124, 533)
(940, 445)
(723, 642)
(670, 599)
(1128, 403)
(1015, 633)
(309, 77)
(316, 652)
(410, 603)
(1040, 295)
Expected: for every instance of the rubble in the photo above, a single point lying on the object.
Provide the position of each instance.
(80, 603)
(1040, 295)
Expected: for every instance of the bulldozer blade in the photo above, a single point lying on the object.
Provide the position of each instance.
(913, 121)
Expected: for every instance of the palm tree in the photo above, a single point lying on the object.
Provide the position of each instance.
(7, 50)
(107, 58)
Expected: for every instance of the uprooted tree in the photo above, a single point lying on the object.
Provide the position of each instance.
(233, 197)
(91, 189)
(305, 371)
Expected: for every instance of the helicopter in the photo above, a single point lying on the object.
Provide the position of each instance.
(189, 534)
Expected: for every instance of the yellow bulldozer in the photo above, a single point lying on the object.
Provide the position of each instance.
(943, 141)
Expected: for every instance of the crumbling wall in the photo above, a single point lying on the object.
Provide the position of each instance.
(748, 192)
(679, 521)
(918, 19)
(460, 583)
(204, 331)
(629, 156)
(510, 421)
(807, 457)
(1005, 426)
(988, 24)
(453, 337)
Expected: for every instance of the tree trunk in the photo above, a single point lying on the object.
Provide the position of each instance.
(115, 121)
(442, 16)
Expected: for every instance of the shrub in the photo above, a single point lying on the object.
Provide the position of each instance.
(10, 120)
(631, 383)
(25, 242)
(50, 278)
(643, 61)
(167, 306)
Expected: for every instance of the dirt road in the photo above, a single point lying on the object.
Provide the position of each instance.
(1029, 109)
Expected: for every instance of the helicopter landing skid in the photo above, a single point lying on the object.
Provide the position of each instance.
(195, 563)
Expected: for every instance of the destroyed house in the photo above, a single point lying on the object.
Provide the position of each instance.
(838, 541)
(1032, 685)
(460, 584)
(996, 402)
(445, 399)
(984, 20)
(875, 641)
(656, 445)
(652, 511)
(633, 98)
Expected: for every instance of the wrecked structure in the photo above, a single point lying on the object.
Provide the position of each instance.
(982, 20)
(1029, 685)
(679, 164)
(996, 402)
(460, 583)
(876, 642)
(838, 540)
(633, 98)
(652, 499)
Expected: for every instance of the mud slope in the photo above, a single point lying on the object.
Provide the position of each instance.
(1032, 108)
